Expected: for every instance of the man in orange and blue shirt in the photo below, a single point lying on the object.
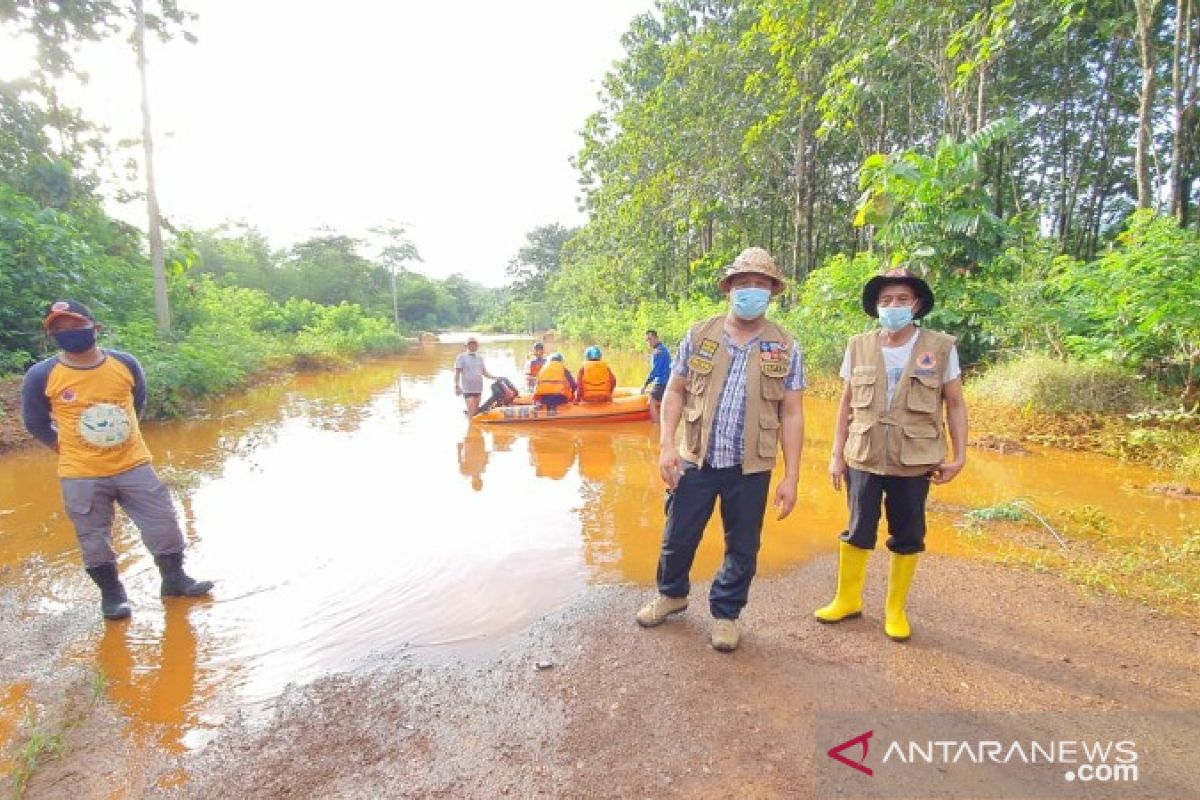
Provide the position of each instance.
(534, 365)
(84, 403)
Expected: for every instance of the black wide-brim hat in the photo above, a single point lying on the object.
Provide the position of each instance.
(870, 294)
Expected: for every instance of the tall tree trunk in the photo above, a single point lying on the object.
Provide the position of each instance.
(981, 98)
(1064, 168)
(162, 308)
(800, 196)
(1146, 14)
(1100, 121)
(1183, 102)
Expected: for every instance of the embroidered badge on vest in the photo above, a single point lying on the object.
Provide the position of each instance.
(702, 360)
(927, 361)
(774, 359)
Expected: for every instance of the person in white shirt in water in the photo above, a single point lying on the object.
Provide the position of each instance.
(469, 372)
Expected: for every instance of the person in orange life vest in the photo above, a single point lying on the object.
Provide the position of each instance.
(84, 404)
(534, 365)
(555, 386)
(900, 382)
(596, 379)
(738, 387)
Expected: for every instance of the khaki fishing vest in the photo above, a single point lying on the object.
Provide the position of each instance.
(707, 369)
(907, 440)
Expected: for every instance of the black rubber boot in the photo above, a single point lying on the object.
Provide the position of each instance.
(114, 603)
(176, 582)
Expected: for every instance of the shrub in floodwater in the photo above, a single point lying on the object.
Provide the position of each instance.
(1038, 382)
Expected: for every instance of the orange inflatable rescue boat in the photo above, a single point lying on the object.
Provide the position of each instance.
(618, 393)
(621, 409)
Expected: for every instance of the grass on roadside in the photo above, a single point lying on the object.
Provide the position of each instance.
(1085, 405)
(48, 737)
(42, 746)
(1076, 545)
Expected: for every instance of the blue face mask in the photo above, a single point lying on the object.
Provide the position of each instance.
(750, 303)
(79, 340)
(895, 318)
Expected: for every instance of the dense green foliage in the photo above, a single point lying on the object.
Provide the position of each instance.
(331, 269)
(992, 146)
(238, 305)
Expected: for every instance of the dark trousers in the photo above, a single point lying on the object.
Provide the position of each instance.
(902, 498)
(689, 507)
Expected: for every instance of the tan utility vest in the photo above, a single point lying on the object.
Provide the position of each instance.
(707, 369)
(908, 439)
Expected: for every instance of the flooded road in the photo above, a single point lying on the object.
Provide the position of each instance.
(350, 517)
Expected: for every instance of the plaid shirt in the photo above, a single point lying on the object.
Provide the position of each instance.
(729, 426)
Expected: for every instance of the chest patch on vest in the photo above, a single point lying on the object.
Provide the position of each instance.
(774, 359)
(702, 360)
(927, 360)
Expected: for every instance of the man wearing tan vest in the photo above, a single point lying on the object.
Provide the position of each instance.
(738, 385)
(889, 441)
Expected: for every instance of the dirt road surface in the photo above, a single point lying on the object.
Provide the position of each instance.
(586, 704)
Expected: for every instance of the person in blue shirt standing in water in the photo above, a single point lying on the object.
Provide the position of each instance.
(660, 373)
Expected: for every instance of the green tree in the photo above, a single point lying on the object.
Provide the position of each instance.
(536, 263)
(328, 269)
(237, 255)
(935, 212)
(398, 250)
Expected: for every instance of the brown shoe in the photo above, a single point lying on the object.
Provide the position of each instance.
(657, 610)
(725, 636)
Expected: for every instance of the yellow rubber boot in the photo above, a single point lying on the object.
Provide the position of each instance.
(852, 573)
(900, 576)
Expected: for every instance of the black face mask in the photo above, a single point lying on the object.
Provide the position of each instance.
(79, 340)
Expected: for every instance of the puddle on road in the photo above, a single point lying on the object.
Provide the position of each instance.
(347, 517)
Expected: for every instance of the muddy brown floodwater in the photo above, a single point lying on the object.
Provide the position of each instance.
(408, 605)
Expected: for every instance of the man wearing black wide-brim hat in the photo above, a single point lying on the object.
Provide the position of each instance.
(889, 440)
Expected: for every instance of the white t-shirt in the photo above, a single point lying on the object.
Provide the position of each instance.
(895, 359)
(471, 364)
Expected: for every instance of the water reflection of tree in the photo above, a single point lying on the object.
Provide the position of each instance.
(238, 425)
(622, 511)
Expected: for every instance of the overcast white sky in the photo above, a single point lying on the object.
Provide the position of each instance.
(456, 119)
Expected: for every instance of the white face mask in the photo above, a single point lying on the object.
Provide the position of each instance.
(750, 302)
(895, 318)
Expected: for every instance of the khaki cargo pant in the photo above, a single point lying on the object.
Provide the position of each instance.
(91, 505)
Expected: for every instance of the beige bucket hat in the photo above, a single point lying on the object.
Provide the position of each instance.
(753, 259)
